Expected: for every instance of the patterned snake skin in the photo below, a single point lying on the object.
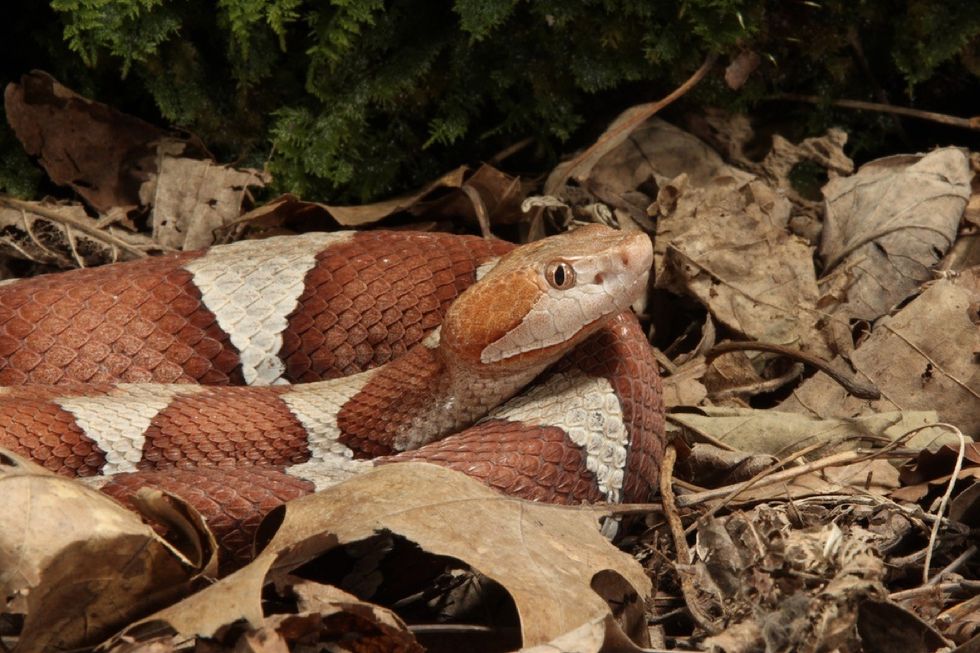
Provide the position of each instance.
(270, 320)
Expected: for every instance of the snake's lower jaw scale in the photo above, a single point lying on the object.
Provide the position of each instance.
(304, 308)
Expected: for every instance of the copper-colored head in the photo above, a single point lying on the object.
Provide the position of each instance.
(545, 297)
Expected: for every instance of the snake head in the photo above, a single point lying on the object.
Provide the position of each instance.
(542, 299)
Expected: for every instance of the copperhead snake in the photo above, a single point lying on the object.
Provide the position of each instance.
(222, 375)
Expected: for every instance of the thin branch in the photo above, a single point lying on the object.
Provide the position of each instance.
(69, 221)
(945, 500)
(510, 151)
(479, 208)
(610, 509)
(643, 114)
(759, 387)
(765, 477)
(680, 543)
(944, 588)
(853, 386)
(942, 118)
(952, 567)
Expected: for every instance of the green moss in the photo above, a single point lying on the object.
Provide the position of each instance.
(19, 176)
(349, 100)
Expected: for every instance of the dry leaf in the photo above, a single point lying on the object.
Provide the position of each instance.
(544, 556)
(347, 629)
(710, 466)
(741, 67)
(684, 386)
(731, 134)
(779, 433)
(193, 199)
(963, 621)
(881, 624)
(729, 377)
(965, 507)
(64, 235)
(283, 215)
(786, 588)
(655, 151)
(727, 246)
(601, 635)
(971, 214)
(329, 618)
(964, 254)
(826, 151)
(500, 194)
(890, 223)
(357, 216)
(876, 477)
(102, 154)
(78, 565)
(488, 191)
(930, 473)
(922, 358)
(933, 487)
(154, 645)
(734, 136)
(939, 461)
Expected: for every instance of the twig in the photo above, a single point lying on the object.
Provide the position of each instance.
(760, 387)
(670, 505)
(643, 114)
(69, 221)
(946, 588)
(510, 151)
(942, 118)
(690, 487)
(430, 629)
(853, 386)
(960, 560)
(619, 508)
(761, 479)
(479, 208)
(872, 500)
(766, 477)
(680, 543)
(945, 500)
(704, 435)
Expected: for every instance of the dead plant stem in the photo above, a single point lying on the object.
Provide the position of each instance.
(73, 223)
(643, 113)
(676, 527)
(952, 567)
(854, 387)
(945, 500)
(942, 118)
(768, 477)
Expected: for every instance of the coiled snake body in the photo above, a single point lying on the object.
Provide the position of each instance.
(220, 375)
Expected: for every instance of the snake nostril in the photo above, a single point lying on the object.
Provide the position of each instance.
(626, 259)
(598, 278)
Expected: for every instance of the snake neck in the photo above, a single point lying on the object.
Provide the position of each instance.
(416, 399)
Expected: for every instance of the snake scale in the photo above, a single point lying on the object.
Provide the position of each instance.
(246, 375)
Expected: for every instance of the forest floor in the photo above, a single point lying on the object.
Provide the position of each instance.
(819, 349)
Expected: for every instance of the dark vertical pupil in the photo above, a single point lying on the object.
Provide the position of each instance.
(560, 275)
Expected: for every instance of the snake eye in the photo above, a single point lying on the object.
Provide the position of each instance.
(560, 275)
